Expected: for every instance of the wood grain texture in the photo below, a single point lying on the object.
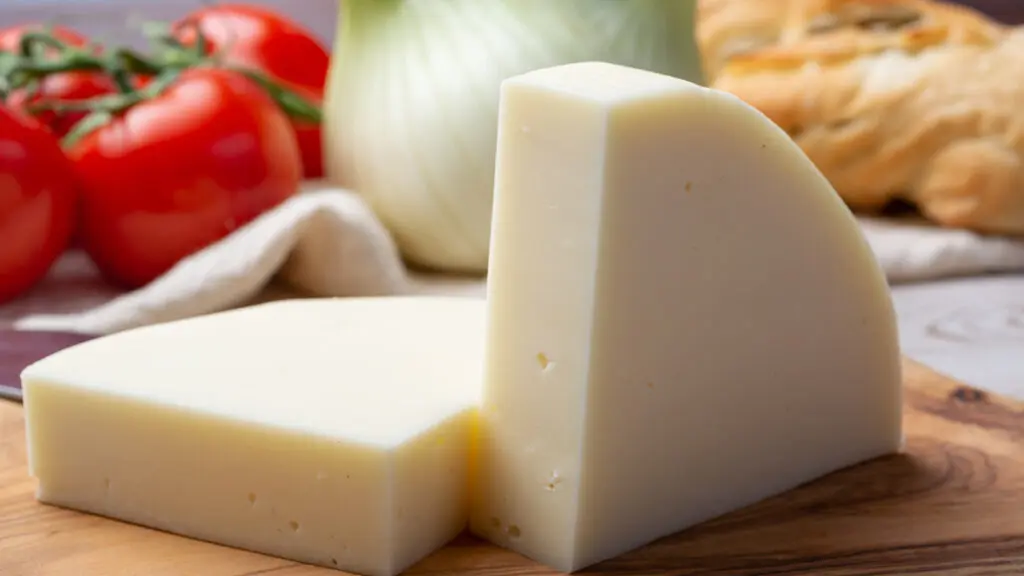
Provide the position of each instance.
(952, 503)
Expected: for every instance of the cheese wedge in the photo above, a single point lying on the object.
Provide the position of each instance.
(684, 318)
(331, 432)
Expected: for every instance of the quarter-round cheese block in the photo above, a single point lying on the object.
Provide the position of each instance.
(684, 318)
(332, 432)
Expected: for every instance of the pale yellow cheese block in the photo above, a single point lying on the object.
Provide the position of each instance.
(333, 432)
(684, 318)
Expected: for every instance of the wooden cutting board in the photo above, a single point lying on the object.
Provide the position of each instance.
(953, 503)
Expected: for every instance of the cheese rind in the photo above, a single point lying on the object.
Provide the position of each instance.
(684, 318)
(331, 432)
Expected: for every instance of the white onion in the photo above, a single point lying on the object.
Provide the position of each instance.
(412, 103)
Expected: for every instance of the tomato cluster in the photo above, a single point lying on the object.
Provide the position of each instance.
(148, 158)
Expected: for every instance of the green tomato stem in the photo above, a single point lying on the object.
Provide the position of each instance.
(70, 61)
(8, 62)
(34, 42)
(105, 108)
(139, 64)
(292, 103)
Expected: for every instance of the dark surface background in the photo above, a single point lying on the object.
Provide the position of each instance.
(19, 349)
(1010, 11)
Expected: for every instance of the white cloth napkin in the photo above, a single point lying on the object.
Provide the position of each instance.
(915, 251)
(327, 242)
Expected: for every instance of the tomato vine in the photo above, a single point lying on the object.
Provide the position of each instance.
(138, 77)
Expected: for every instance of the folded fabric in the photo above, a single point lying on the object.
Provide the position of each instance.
(327, 242)
(912, 250)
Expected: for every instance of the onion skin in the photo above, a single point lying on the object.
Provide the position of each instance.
(411, 111)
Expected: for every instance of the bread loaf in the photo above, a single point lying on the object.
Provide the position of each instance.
(907, 100)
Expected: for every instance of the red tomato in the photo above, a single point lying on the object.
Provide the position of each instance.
(67, 87)
(259, 38)
(178, 172)
(37, 203)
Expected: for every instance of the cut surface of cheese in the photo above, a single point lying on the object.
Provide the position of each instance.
(330, 432)
(683, 317)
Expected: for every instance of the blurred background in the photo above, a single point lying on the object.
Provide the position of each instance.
(96, 16)
(107, 17)
(1009, 11)
(971, 328)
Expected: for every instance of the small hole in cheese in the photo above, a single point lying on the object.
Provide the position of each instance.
(334, 561)
(294, 526)
(514, 531)
(496, 522)
(553, 481)
(689, 186)
(252, 498)
(543, 360)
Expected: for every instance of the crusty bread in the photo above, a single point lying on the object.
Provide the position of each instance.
(892, 99)
(730, 27)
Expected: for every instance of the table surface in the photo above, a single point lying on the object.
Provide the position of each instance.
(969, 329)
